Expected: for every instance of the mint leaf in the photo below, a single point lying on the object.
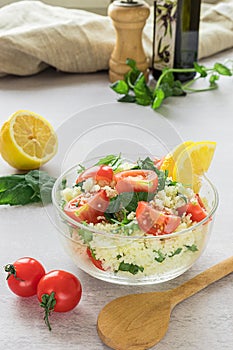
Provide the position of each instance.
(166, 85)
(192, 248)
(17, 193)
(167, 89)
(41, 183)
(200, 69)
(128, 201)
(131, 268)
(160, 256)
(221, 69)
(147, 164)
(127, 98)
(111, 160)
(131, 63)
(169, 77)
(132, 75)
(120, 87)
(177, 89)
(131, 202)
(176, 252)
(142, 92)
(7, 182)
(21, 189)
(159, 97)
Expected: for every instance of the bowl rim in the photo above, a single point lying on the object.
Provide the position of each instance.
(115, 235)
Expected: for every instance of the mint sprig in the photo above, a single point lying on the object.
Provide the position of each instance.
(135, 89)
(21, 189)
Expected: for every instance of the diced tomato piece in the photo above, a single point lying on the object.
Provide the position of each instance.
(95, 261)
(181, 210)
(197, 210)
(101, 174)
(154, 221)
(88, 208)
(136, 181)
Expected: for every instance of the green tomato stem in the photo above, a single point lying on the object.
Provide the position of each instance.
(12, 271)
(48, 303)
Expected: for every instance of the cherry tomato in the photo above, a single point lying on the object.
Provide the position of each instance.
(136, 181)
(102, 174)
(24, 275)
(88, 208)
(154, 221)
(94, 261)
(58, 291)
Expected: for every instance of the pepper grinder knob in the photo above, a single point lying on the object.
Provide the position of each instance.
(129, 19)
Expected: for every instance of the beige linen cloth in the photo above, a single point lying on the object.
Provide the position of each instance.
(34, 35)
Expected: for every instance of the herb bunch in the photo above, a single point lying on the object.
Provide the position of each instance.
(135, 89)
(20, 189)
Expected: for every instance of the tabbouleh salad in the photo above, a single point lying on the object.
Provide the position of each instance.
(133, 200)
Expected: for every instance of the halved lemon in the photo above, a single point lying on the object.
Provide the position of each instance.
(193, 162)
(170, 159)
(27, 140)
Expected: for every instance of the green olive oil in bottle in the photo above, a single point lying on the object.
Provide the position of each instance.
(175, 40)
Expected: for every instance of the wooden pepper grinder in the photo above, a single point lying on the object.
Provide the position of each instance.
(129, 18)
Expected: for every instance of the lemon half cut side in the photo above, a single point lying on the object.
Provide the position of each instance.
(27, 140)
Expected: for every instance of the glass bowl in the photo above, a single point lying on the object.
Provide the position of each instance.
(132, 260)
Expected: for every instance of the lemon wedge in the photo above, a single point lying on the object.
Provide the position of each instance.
(193, 162)
(170, 159)
(27, 140)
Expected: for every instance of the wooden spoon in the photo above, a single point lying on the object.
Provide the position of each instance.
(139, 321)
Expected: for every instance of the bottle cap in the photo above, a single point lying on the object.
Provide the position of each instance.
(129, 3)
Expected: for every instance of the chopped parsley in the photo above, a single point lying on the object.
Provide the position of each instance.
(176, 252)
(192, 248)
(111, 160)
(160, 256)
(131, 268)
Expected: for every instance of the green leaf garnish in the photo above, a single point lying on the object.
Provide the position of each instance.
(80, 169)
(111, 160)
(142, 92)
(34, 186)
(131, 268)
(160, 257)
(135, 88)
(127, 98)
(120, 87)
(192, 248)
(41, 183)
(176, 252)
(128, 201)
(147, 164)
(222, 69)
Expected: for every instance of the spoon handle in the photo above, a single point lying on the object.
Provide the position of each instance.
(202, 280)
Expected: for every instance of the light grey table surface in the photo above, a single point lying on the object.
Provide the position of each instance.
(204, 321)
